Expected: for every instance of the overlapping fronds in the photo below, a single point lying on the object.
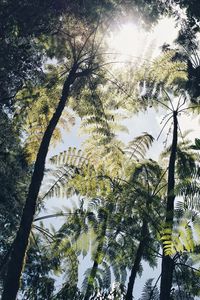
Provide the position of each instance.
(72, 240)
(182, 237)
(56, 183)
(65, 166)
(164, 73)
(71, 157)
(150, 292)
(35, 109)
(92, 172)
(185, 235)
(189, 189)
(102, 280)
(187, 174)
(187, 160)
(97, 109)
(108, 159)
(169, 71)
(148, 172)
(138, 147)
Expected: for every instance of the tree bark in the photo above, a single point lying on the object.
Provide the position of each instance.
(20, 244)
(94, 269)
(167, 261)
(138, 258)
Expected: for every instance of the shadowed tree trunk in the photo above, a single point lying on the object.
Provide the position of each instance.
(97, 259)
(167, 261)
(138, 258)
(20, 244)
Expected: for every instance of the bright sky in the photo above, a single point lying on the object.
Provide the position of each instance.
(131, 41)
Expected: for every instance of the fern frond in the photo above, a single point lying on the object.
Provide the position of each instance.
(149, 291)
(71, 157)
(139, 146)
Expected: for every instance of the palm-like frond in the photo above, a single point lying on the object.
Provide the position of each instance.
(72, 157)
(65, 166)
(139, 146)
(150, 292)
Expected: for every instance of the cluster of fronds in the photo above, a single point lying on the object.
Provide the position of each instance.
(75, 173)
(72, 157)
(35, 116)
(150, 292)
(138, 147)
(164, 73)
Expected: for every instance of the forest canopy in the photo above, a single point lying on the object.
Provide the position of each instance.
(127, 191)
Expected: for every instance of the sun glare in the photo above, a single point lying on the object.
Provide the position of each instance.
(128, 40)
(133, 41)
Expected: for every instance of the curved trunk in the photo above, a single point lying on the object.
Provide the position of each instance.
(138, 258)
(20, 244)
(97, 258)
(167, 261)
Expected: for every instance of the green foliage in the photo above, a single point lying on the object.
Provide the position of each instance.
(150, 292)
(37, 281)
(68, 292)
(14, 177)
(120, 189)
(21, 54)
(75, 173)
(197, 145)
(34, 109)
(138, 147)
(72, 157)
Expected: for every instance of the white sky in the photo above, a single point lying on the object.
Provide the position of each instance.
(132, 41)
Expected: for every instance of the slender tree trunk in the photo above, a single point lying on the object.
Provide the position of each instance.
(138, 258)
(20, 244)
(97, 258)
(167, 261)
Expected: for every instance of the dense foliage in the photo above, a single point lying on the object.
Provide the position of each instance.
(128, 209)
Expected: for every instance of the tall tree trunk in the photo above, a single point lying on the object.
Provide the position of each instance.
(20, 244)
(138, 258)
(167, 261)
(97, 258)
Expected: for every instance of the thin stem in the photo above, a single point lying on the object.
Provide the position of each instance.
(52, 216)
(196, 106)
(44, 231)
(178, 107)
(170, 100)
(179, 99)
(164, 185)
(164, 105)
(161, 177)
(187, 266)
(53, 186)
(164, 127)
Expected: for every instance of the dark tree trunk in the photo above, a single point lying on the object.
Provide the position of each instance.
(20, 244)
(138, 258)
(94, 269)
(167, 261)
